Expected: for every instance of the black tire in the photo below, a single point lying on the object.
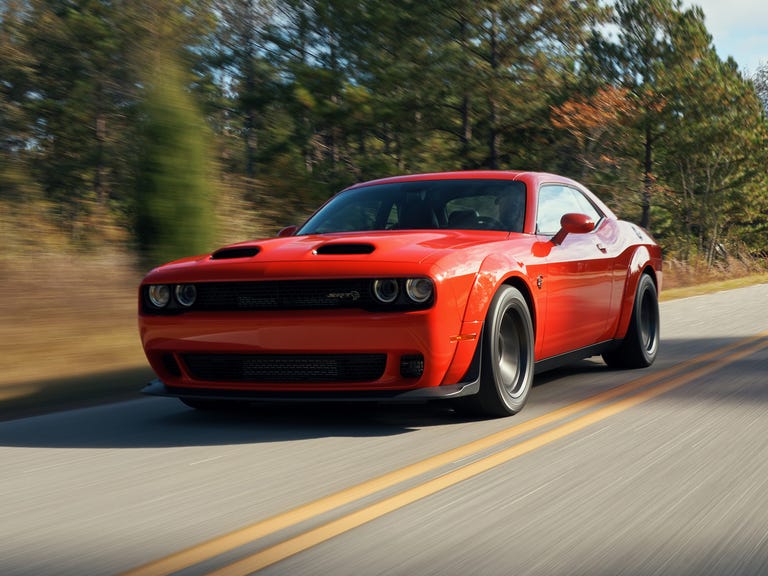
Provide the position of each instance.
(506, 371)
(641, 344)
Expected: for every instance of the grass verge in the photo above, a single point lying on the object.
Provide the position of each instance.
(710, 287)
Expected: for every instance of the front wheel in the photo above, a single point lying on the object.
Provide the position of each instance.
(506, 372)
(641, 344)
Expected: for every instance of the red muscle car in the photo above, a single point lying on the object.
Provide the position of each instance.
(453, 285)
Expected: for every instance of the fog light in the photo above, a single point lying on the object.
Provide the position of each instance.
(186, 294)
(159, 295)
(411, 366)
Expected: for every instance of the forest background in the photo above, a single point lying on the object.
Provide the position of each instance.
(133, 132)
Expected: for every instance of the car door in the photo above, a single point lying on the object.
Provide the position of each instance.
(580, 277)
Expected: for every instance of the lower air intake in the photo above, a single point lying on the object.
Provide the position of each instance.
(286, 368)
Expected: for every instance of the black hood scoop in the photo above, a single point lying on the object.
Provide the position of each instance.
(344, 248)
(236, 252)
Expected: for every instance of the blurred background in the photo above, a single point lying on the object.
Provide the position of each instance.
(134, 132)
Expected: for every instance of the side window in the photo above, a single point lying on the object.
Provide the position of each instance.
(556, 200)
(586, 207)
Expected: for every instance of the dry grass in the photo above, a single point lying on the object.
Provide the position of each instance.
(64, 318)
(684, 279)
(681, 274)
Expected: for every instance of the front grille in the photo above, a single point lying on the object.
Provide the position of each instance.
(283, 295)
(285, 368)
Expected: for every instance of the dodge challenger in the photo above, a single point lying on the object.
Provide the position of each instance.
(457, 286)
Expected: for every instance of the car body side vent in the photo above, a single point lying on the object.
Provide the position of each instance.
(339, 248)
(237, 252)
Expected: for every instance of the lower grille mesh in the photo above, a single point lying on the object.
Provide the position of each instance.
(286, 368)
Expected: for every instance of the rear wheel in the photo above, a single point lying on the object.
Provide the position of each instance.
(506, 372)
(641, 344)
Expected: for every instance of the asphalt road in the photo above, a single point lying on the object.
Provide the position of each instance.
(659, 471)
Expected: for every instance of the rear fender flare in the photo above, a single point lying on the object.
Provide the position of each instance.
(640, 264)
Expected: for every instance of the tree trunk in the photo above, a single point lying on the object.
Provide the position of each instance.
(645, 218)
(493, 114)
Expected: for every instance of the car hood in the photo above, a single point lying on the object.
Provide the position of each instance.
(331, 252)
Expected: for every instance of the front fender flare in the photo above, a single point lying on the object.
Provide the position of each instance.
(494, 271)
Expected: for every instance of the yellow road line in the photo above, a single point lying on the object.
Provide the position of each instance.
(221, 544)
(334, 528)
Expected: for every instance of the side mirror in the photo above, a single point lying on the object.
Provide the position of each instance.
(572, 223)
(287, 231)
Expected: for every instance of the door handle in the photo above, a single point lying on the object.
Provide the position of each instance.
(602, 248)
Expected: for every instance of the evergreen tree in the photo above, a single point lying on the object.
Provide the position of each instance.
(16, 65)
(174, 199)
(715, 149)
(657, 43)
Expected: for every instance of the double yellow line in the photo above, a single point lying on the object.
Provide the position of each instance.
(646, 387)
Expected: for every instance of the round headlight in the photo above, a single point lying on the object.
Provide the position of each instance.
(186, 294)
(419, 289)
(159, 295)
(386, 290)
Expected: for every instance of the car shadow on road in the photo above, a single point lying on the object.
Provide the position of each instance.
(165, 422)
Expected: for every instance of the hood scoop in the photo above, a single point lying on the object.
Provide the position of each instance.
(236, 252)
(344, 248)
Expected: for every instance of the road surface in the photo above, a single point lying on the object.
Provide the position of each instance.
(661, 471)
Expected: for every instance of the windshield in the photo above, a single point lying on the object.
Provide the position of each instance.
(432, 204)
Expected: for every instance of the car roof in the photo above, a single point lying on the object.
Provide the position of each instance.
(470, 175)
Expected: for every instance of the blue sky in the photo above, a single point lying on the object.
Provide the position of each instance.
(739, 28)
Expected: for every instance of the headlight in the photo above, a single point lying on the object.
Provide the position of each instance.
(159, 295)
(386, 290)
(419, 289)
(186, 294)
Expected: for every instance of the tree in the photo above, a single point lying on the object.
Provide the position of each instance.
(595, 123)
(514, 60)
(760, 80)
(16, 65)
(238, 53)
(73, 96)
(715, 150)
(656, 43)
(174, 199)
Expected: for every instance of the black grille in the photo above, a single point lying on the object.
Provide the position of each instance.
(283, 295)
(286, 368)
